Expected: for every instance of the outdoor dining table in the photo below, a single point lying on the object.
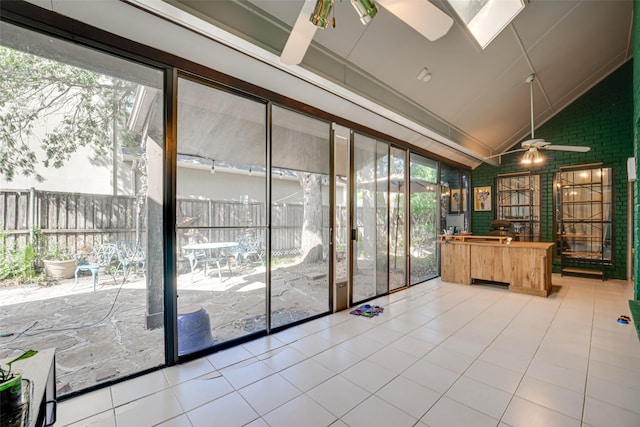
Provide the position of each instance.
(208, 252)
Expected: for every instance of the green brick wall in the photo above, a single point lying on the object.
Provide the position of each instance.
(602, 119)
(636, 135)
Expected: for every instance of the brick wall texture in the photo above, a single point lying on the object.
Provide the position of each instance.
(636, 135)
(602, 119)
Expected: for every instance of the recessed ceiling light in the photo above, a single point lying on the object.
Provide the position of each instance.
(424, 75)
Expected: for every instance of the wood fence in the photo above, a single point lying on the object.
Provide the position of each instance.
(79, 221)
(72, 221)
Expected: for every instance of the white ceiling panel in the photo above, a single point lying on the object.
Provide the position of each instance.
(540, 17)
(476, 97)
(579, 55)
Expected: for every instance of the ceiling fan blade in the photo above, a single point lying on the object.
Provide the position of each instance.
(300, 37)
(420, 15)
(575, 148)
(507, 152)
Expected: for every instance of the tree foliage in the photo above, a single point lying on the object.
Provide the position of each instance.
(56, 106)
(423, 207)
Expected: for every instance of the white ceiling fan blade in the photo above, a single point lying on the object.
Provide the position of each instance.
(575, 148)
(301, 35)
(507, 152)
(420, 15)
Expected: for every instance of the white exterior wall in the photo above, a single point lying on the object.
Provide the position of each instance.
(84, 172)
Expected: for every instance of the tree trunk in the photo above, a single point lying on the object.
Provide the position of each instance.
(311, 245)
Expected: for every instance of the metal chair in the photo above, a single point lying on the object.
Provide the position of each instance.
(217, 255)
(248, 249)
(130, 255)
(102, 256)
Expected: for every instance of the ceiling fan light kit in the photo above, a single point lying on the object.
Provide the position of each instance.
(366, 10)
(532, 155)
(320, 15)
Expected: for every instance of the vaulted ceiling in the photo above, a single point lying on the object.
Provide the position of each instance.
(477, 98)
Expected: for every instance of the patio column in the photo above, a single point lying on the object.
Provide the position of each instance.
(155, 256)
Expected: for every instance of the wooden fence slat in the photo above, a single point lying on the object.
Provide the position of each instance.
(83, 220)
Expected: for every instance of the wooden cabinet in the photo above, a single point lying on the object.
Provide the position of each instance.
(585, 220)
(524, 266)
(518, 201)
(454, 263)
(531, 269)
(490, 262)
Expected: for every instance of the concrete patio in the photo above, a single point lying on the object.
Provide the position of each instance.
(94, 332)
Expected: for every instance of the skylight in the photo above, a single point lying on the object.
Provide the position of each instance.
(486, 18)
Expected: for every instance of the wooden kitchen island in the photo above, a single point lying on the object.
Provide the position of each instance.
(524, 266)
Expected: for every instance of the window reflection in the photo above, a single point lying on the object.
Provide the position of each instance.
(300, 217)
(423, 219)
(81, 178)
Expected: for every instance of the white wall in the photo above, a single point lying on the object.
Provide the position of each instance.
(84, 172)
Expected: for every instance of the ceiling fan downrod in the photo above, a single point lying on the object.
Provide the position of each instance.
(530, 80)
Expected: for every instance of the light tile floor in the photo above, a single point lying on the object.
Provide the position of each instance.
(441, 354)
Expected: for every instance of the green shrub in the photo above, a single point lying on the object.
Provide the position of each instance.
(18, 264)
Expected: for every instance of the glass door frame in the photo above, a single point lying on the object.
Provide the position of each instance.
(171, 290)
(340, 298)
(406, 228)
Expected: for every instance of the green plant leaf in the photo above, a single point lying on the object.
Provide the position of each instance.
(25, 355)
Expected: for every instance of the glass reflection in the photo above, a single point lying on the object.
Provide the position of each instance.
(221, 216)
(300, 217)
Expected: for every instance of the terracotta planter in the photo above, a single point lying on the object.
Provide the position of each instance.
(60, 269)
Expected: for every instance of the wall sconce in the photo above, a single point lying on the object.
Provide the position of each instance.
(366, 10)
(320, 15)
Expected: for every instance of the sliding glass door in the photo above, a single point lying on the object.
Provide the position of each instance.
(81, 202)
(397, 220)
(370, 218)
(221, 215)
(300, 250)
(423, 217)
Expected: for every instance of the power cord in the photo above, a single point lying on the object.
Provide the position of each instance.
(70, 328)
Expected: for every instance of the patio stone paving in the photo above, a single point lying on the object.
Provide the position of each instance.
(102, 335)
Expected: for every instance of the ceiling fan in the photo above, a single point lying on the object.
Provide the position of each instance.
(421, 15)
(533, 146)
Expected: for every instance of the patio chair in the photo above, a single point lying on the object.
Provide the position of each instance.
(256, 249)
(102, 256)
(219, 258)
(130, 255)
(248, 250)
(205, 253)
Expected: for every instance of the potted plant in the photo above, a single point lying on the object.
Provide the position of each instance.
(11, 385)
(59, 263)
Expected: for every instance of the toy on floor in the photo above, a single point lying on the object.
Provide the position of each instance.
(624, 319)
(367, 310)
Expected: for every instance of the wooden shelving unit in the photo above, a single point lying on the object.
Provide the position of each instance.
(585, 220)
(518, 201)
